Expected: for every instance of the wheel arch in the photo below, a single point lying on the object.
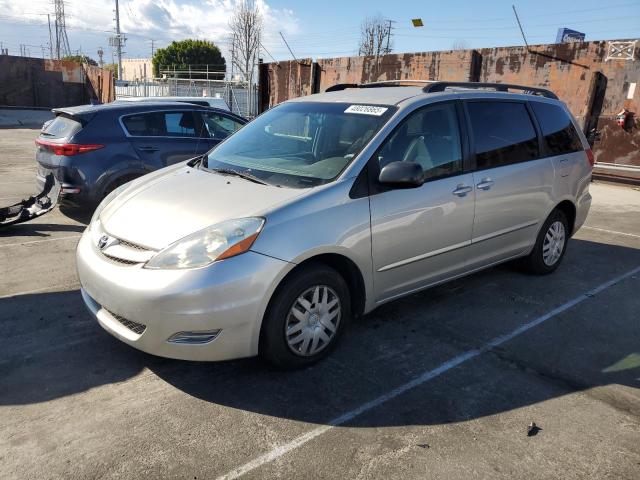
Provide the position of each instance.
(345, 266)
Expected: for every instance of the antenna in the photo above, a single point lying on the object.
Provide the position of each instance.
(62, 42)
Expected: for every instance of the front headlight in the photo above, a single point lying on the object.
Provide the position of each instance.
(224, 240)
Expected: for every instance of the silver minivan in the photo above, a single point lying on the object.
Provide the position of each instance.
(327, 206)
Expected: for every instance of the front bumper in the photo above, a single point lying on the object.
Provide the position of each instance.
(230, 295)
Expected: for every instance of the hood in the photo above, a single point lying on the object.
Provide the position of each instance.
(157, 210)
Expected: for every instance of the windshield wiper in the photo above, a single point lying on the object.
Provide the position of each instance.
(195, 161)
(246, 176)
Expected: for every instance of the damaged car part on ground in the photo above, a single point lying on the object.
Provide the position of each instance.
(34, 206)
(326, 207)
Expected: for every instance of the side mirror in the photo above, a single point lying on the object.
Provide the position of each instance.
(402, 175)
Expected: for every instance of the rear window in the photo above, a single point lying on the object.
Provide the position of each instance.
(503, 133)
(162, 124)
(62, 127)
(559, 134)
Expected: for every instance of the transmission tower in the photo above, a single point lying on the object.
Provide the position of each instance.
(62, 42)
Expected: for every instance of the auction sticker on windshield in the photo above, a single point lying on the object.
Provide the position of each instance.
(366, 110)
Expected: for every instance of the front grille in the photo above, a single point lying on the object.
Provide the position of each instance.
(121, 261)
(133, 246)
(131, 325)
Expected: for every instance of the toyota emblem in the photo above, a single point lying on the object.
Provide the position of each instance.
(103, 241)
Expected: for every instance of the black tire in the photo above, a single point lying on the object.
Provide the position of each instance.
(274, 346)
(535, 262)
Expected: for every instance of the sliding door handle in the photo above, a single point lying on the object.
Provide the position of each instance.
(485, 184)
(462, 190)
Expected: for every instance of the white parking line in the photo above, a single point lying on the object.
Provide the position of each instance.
(31, 242)
(613, 232)
(424, 377)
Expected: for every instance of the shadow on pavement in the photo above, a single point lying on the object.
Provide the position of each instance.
(50, 348)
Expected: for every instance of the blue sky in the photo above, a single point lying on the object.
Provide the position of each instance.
(317, 28)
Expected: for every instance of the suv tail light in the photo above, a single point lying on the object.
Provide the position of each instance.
(67, 149)
(592, 159)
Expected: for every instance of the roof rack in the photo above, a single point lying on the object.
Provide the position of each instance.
(499, 87)
(436, 86)
(380, 83)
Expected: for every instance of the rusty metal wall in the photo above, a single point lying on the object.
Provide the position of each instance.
(572, 70)
(36, 82)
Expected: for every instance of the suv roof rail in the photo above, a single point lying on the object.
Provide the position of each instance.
(379, 83)
(433, 86)
(499, 87)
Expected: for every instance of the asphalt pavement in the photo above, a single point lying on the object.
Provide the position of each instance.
(441, 384)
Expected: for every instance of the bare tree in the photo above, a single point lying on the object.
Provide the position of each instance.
(246, 30)
(375, 37)
(460, 45)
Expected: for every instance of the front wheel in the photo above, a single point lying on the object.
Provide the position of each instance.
(550, 246)
(306, 318)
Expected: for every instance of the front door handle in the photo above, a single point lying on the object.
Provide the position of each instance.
(485, 184)
(148, 148)
(462, 190)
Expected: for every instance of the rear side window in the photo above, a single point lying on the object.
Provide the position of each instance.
(62, 127)
(503, 133)
(162, 124)
(559, 134)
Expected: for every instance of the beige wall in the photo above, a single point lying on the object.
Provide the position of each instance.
(134, 68)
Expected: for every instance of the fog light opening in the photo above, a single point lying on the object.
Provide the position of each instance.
(194, 337)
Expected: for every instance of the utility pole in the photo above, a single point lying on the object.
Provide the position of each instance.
(119, 41)
(50, 37)
(387, 50)
(152, 49)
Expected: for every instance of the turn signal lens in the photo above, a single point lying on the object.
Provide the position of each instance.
(67, 149)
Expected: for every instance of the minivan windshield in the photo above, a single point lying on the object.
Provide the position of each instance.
(300, 144)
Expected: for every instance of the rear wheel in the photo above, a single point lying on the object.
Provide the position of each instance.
(550, 246)
(117, 183)
(305, 318)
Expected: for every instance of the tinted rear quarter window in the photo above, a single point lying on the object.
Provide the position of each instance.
(502, 133)
(559, 134)
(62, 127)
(161, 124)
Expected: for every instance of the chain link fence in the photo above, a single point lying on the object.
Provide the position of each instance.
(241, 98)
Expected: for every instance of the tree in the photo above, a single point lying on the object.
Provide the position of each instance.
(460, 45)
(80, 59)
(246, 30)
(199, 55)
(113, 68)
(375, 37)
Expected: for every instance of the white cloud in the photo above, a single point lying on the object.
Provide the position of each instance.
(142, 20)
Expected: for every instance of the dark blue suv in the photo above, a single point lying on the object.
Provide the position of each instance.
(92, 149)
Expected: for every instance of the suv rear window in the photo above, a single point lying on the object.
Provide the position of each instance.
(559, 134)
(62, 127)
(503, 133)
